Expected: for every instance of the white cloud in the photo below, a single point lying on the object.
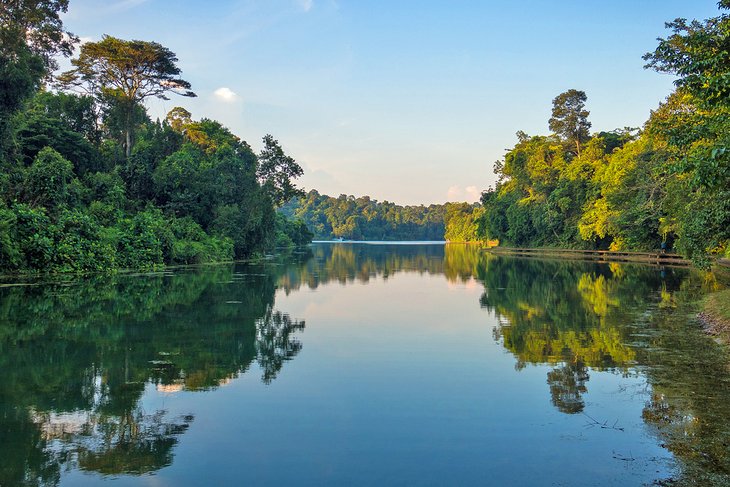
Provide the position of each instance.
(225, 94)
(125, 5)
(453, 193)
(306, 5)
(470, 194)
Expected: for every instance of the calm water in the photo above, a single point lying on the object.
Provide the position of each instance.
(353, 364)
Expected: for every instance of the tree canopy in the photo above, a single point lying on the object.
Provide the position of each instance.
(276, 170)
(75, 196)
(570, 118)
(31, 35)
(122, 74)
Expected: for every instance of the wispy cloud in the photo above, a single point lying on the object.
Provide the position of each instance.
(306, 5)
(469, 194)
(125, 5)
(226, 94)
(472, 193)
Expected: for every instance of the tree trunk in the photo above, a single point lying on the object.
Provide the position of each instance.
(128, 134)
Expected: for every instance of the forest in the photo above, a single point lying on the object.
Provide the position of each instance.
(364, 218)
(665, 185)
(89, 182)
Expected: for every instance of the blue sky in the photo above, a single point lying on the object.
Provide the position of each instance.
(406, 101)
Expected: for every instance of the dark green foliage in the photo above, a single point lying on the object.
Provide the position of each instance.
(20, 75)
(31, 35)
(366, 219)
(250, 227)
(74, 203)
(121, 74)
(58, 121)
(192, 245)
(291, 233)
(276, 171)
(89, 183)
(699, 53)
(47, 179)
(80, 244)
(39, 25)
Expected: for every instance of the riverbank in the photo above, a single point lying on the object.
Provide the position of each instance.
(715, 314)
(668, 259)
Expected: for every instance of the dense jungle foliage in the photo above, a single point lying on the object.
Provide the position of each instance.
(667, 184)
(89, 182)
(366, 219)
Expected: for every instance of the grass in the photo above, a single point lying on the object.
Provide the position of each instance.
(716, 313)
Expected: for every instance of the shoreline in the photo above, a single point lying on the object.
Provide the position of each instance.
(715, 315)
(657, 258)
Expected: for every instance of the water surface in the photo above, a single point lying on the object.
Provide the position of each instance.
(364, 365)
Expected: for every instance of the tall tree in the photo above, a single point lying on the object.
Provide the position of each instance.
(276, 171)
(570, 118)
(123, 74)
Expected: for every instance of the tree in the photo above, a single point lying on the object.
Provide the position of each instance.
(31, 34)
(48, 179)
(570, 118)
(276, 171)
(699, 53)
(38, 25)
(124, 73)
(696, 123)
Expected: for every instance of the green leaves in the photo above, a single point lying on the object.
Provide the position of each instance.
(122, 74)
(699, 53)
(47, 179)
(275, 172)
(137, 69)
(570, 118)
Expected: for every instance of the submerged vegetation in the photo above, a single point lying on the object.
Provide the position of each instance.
(89, 182)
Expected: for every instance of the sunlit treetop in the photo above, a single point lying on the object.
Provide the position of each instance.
(137, 69)
(699, 53)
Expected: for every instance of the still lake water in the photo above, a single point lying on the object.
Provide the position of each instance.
(356, 364)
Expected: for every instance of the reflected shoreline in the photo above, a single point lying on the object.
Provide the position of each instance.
(78, 355)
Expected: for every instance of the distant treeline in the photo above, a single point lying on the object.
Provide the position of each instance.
(364, 218)
(665, 185)
(89, 182)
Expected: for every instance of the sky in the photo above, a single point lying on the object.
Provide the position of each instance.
(406, 101)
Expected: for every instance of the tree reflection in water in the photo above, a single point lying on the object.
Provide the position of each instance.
(628, 319)
(77, 356)
(567, 384)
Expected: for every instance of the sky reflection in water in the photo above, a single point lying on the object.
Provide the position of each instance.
(361, 364)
